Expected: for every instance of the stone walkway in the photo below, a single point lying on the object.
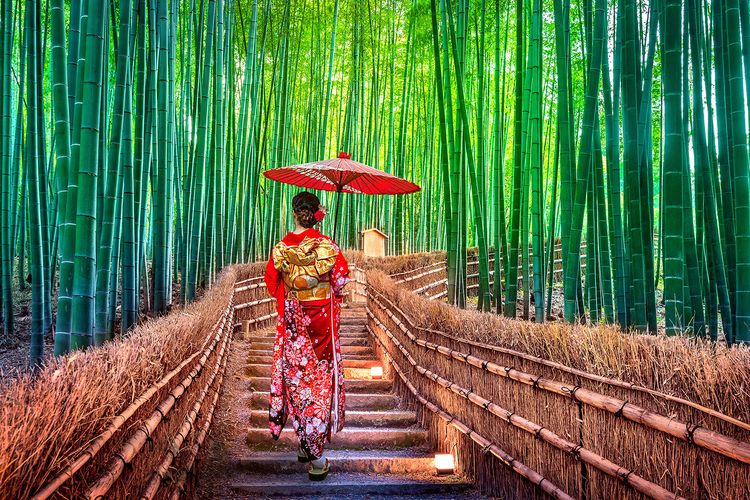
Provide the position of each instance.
(381, 452)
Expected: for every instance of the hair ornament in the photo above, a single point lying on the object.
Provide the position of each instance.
(320, 213)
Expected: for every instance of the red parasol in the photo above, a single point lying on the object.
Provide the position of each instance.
(342, 175)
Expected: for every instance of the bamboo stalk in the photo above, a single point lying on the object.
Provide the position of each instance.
(431, 285)
(429, 266)
(258, 279)
(422, 275)
(254, 286)
(254, 303)
(257, 320)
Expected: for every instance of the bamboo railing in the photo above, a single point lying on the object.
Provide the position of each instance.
(104, 466)
(143, 434)
(486, 445)
(357, 287)
(580, 434)
(254, 308)
(149, 448)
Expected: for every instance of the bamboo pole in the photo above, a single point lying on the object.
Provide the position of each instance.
(257, 320)
(254, 303)
(256, 280)
(254, 286)
(423, 289)
(442, 263)
(441, 268)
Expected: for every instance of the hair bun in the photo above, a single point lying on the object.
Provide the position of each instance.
(305, 205)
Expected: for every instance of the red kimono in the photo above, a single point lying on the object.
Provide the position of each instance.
(307, 273)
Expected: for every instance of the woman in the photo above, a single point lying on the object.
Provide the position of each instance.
(307, 273)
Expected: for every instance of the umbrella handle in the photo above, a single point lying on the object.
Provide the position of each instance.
(338, 209)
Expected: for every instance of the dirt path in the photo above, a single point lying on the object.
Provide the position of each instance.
(227, 437)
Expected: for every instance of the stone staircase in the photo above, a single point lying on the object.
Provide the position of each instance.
(380, 453)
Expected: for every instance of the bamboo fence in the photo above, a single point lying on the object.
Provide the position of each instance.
(146, 444)
(254, 309)
(588, 435)
(123, 458)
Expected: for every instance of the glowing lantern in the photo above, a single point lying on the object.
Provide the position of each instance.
(376, 372)
(444, 463)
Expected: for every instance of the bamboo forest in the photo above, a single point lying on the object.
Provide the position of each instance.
(608, 138)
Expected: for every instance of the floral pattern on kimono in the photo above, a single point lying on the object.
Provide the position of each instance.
(307, 376)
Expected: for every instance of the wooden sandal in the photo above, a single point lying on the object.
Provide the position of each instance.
(316, 474)
(302, 456)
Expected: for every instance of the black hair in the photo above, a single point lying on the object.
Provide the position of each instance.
(304, 205)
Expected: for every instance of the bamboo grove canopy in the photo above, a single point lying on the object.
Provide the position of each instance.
(133, 135)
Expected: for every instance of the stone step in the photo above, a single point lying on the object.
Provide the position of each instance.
(372, 402)
(352, 385)
(361, 332)
(355, 438)
(261, 345)
(354, 418)
(353, 311)
(354, 306)
(360, 350)
(354, 321)
(354, 314)
(362, 338)
(350, 373)
(357, 320)
(377, 462)
(351, 485)
(346, 350)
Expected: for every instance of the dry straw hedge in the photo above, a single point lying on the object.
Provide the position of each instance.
(48, 419)
(714, 376)
(393, 265)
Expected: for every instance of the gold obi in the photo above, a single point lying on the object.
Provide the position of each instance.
(305, 268)
(321, 291)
